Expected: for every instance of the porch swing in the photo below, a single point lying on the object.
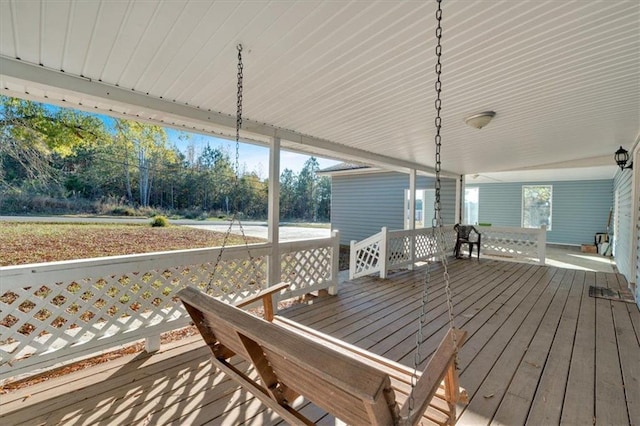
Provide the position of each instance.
(356, 386)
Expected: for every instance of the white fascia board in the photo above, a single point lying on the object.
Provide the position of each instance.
(112, 100)
(360, 171)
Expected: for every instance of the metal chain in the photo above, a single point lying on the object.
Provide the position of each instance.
(237, 164)
(436, 225)
(438, 206)
(236, 180)
(417, 356)
(239, 110)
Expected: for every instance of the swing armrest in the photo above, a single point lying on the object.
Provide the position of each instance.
(437, 367)
(267, 299)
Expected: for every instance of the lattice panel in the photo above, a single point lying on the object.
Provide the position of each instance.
(425, 246)
(44, 318)
(399, 250)
(367, 259)
(449, 239)
(512, 244)
(426, 242)
(307, 267)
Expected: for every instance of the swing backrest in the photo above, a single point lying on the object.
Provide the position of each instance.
(355, 392)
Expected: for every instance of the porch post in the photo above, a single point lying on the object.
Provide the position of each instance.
(412, 216)
(384, 256)
(335, 262)
(542, 245)
(635, 206)
(273, 262)
(459, 199)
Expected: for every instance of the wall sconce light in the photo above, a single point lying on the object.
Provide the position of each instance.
(480, 120)
(622, 156)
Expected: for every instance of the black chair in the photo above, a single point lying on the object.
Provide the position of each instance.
(466, 234)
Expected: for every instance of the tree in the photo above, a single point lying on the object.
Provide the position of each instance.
(323, 198)
(33, 136)
(287, 194)
(145, 146)
(306, 190)
(216, 178)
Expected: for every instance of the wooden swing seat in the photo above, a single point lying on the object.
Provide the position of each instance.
(291, 360)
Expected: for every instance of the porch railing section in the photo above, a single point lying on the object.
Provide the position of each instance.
(521, 244)
(55, 312)
(388, 250)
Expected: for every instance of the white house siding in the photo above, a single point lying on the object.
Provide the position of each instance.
(361, 204)
(622, 215)
(580, 209)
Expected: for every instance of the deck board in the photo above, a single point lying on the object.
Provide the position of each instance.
(608, 372)
(578, 407)
(546, 406)
(535, 339)
(628, 352)
(498, 360)
(518, 397)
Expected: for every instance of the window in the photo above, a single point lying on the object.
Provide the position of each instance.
(471, 205)
(536, 206)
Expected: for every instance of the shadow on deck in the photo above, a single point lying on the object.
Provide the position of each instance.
(540, 351)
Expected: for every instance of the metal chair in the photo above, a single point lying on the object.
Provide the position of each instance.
(466, 234)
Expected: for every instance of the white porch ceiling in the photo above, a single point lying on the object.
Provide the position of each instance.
(348, 79)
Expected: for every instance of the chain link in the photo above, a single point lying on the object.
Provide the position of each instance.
(239, 110)
(237, 164)
(437, 224)
(236, 181)
(437, 204)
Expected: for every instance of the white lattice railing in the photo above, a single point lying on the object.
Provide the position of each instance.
(396, 249)
(405, 247)
(54, 312)
(522, 244)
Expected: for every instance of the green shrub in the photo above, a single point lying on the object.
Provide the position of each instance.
(192, 213)
(159, 221)
(124, 211)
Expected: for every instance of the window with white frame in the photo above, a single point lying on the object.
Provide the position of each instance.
(537, 201)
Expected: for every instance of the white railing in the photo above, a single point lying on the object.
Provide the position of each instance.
(58, 311)
(521, 244)
(396, 249)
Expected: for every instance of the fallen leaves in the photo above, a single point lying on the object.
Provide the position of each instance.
(24, 243)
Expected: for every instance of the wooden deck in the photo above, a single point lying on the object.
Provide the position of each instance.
(540, 351)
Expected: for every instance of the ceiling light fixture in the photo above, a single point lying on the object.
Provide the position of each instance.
(480, 120)
(622, 156)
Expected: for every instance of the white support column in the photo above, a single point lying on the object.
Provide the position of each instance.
(152, 343)
(412, 199)
(384, 255)
(542, 245)
(352, 259)
(460, 183)
(335, 262)
(412, 215)
(273, 264)
(635, 212)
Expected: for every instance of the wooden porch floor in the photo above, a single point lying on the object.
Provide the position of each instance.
(540, 351)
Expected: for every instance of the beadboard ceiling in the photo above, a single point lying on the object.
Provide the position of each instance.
(352, 80)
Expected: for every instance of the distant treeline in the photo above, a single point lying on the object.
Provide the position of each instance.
(53, 159)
